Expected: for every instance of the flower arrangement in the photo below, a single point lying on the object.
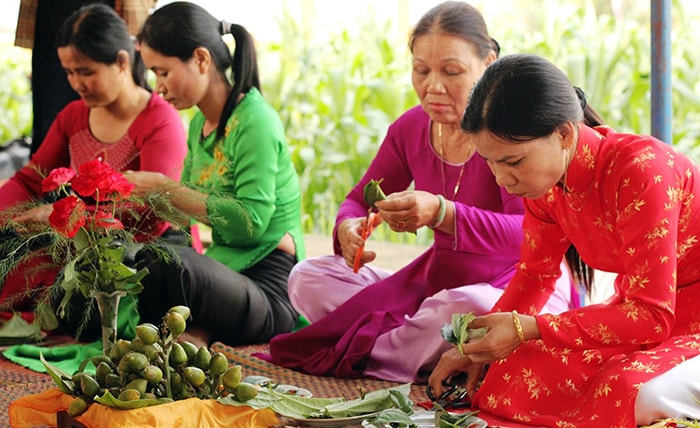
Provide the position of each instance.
(98, 236)
(94, 221)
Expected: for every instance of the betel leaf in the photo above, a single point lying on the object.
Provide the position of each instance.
(284, 404)
(375, 401)
(391, 417)
(60, 378)
(373, 192)
(459, 332)
(444, 419)
(111, 401)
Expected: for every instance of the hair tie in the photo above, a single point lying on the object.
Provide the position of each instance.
(225, 27)
(581, 96)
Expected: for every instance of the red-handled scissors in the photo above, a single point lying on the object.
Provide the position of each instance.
(371, 221)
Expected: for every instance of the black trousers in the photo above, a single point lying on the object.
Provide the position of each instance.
(237, 308)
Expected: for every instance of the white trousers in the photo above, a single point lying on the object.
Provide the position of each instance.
(674, 394)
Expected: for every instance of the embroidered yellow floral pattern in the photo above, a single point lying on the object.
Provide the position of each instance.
(642, 367)
(217, 168)
(640, 220)
(219, 165)
(643, 160)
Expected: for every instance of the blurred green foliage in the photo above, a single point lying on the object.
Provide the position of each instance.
(337, 96)
(15, 93)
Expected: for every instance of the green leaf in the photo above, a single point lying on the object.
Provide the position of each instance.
(111, 401)
(60, 378)
(447, 420)
(17, 328)
(459, 332)
(296, 407)
(372, 402)
(113, 254)
(61, 310)
(81, 240)
(391, 416)
(69, 276)
(373, 192)
(284, 404)
(263, 400)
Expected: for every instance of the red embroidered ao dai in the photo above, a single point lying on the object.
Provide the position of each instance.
(631, 208)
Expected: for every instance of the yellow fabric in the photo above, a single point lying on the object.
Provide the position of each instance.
(40, 410)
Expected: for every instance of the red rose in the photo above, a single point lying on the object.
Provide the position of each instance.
(57, 178)
(118, 187)
(68, 215)
(93, 179)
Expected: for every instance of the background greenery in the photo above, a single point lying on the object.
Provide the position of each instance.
(336, 96)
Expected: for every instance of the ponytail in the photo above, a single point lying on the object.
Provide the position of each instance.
(244, 70)
(178, 28)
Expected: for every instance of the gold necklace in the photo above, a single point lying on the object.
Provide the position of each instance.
(442, 168)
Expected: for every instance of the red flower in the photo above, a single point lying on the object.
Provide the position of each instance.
(57, 178)
(68, 215)
(98, 180)
(118, 187)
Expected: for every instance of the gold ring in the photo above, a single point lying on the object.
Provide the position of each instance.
(400, 224)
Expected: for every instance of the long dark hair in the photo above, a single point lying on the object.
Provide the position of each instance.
(523, 97)
(459, 19)
(97, 31)
(178, 28)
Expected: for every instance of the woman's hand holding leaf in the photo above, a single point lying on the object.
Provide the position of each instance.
(499, 341)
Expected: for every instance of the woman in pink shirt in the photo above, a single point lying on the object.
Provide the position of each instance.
(117, 119)
(387, 325)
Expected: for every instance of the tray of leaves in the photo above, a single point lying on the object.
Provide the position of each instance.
(385, 406)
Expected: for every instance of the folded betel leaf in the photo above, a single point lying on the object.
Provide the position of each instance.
(17, 330)
(458, 332)
(372, 192)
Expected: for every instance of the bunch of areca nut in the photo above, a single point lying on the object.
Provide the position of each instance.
(151, 369)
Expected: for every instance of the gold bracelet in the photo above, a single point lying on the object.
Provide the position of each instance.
(518, 326)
